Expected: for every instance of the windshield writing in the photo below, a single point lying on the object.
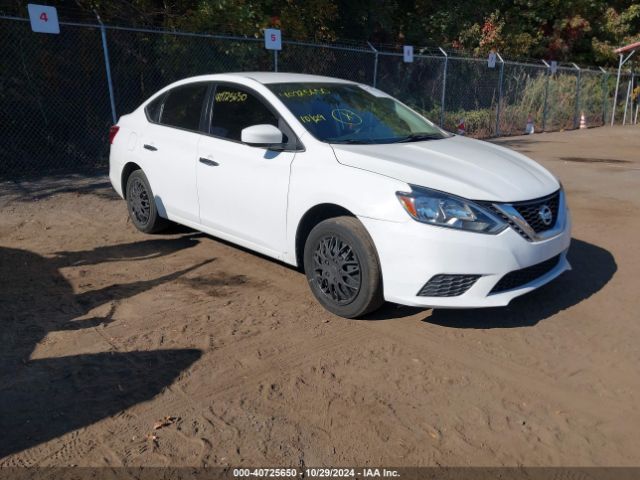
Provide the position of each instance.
(343, 113)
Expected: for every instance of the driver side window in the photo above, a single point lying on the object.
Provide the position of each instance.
(235, 109)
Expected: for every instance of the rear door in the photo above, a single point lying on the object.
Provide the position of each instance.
(243, 189)
(170, 149)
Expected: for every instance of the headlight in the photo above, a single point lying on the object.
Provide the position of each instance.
(444, 210)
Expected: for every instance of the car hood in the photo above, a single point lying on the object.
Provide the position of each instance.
(462, 166)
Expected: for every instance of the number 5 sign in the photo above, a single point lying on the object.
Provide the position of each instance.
(272, 39)
(43, 19)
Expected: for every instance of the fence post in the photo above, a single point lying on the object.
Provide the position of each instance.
(444, 87)
(500, 78)
(546, 96)
(375, 64)
(626, 100)
(615, 95)
(605, 94)
(633, 81)
(107, 66)
(635, 119)
(576, 114)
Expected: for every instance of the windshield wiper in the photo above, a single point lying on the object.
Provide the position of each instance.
(414, 137)
(418, 137)
(351, 141)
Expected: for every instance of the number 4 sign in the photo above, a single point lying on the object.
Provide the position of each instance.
(43, 19)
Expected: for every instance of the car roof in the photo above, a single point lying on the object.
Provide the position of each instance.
(277, 77)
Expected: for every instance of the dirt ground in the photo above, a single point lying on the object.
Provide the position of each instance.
(106, 331)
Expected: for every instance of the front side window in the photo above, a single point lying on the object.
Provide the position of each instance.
(235, 109)
(346, 113)
(182, 107)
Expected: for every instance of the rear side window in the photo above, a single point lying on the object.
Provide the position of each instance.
(183, 106)
(235, 109)
(153, 109)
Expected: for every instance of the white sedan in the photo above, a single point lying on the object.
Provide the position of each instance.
(371, 199)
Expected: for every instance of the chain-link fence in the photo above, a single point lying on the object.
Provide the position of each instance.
(626, 100)
(54, 100)
(60, 93)
(420, 84)
(142, 62)
(350, 63)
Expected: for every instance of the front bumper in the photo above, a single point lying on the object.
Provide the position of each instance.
(411, 253)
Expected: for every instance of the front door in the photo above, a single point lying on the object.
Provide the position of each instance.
(242, 189)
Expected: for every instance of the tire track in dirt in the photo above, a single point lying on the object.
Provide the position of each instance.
(510, 373)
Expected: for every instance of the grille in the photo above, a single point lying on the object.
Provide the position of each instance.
(443, 285)
(521, 277)
(530, 211)
(511, 223)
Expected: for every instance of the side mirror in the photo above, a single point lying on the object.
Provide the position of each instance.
(263, 135)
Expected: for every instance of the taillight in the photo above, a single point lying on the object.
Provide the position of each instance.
(113, 130)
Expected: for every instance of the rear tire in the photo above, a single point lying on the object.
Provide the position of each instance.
(142, 206)
(342, 267)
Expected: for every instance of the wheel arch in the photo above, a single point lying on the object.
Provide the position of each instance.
(310, 219)
(127, 170)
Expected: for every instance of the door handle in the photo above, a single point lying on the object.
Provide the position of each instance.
(150, 147)
(208, 162)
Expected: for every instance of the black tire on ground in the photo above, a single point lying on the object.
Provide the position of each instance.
(342, 267)
(142, 206)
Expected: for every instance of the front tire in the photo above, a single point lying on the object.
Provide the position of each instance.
(342, 267)
(142, 206)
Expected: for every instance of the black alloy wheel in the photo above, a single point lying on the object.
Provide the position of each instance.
(336, 269)
(342, 267)
(141, 204)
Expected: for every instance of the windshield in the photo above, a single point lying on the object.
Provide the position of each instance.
(344, 113)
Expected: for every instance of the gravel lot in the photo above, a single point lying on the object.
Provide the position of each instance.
(106, 331)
